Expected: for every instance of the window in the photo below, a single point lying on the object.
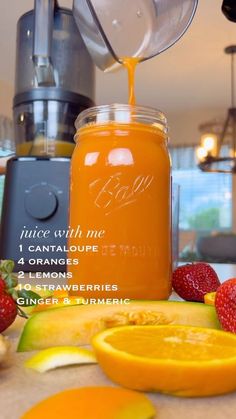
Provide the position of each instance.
(205, 198)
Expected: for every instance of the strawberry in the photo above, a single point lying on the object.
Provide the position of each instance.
(9, 295)
(225, 304)
(194, 280)
(2, 285)
(8, 311)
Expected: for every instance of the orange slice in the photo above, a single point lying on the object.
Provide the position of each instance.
(180, 360)
(60, 294)
(209, 298)
(93, 403)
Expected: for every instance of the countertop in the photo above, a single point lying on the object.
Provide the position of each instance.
(21, 388)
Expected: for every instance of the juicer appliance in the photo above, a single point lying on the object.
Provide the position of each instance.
(54, 82)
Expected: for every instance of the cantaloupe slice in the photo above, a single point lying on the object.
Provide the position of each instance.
(60, 302)
(76, 325)
(42, 293)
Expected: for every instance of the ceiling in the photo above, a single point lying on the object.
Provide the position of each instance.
(193, 74)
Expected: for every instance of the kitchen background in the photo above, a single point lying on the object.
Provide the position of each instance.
(190, 83)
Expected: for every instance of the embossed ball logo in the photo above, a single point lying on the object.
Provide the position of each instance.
(112, 193)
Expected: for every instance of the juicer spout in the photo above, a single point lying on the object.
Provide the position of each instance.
(43, 27)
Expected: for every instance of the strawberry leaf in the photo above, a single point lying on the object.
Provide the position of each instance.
(7, 266)
(21, 313)
(27, 297)
(6, 273)
(13, 293)
(10, 280)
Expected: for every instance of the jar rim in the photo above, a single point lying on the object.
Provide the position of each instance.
(122, 114)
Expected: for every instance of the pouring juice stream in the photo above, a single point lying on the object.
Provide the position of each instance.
(130, 63)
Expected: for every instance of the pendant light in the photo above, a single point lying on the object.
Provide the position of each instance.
(217, 151)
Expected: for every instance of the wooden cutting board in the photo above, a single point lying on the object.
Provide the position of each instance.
(21, 388)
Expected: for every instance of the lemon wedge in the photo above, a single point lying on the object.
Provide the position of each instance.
(4, 347)
(60, 356)
(209, 298)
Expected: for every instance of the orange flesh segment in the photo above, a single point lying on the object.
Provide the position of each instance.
(180, 345)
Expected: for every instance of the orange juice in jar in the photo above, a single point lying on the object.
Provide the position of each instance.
(120, 204)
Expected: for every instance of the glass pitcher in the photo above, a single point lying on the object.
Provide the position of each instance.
(113, 29)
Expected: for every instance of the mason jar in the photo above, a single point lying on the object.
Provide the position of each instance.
(120, 204)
